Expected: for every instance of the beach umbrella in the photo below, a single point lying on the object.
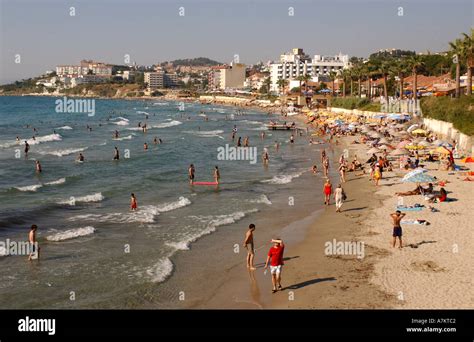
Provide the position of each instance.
(468, 160)
(424, 143)
(419, 131)
(385, 147)
(414, 147)
(403, 143)
(412, 127)
(384, 141)
(419, 177)
(414, 172)
(442, 150)
(399, 152)
(373, 150)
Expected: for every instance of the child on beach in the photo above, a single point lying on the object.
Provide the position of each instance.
(248, 243)
(133, 203)
(275, 257)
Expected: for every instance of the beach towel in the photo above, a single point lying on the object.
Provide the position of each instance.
(417, 222)
(414, 208)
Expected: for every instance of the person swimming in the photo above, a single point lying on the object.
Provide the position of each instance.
(80, 157)
(217, 174)
(116, 154)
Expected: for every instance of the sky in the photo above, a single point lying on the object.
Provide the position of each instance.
(37, 35)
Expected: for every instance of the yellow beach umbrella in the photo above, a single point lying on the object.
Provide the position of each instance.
(419, 131)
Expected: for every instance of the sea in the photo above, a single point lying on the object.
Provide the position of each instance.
(96, 252)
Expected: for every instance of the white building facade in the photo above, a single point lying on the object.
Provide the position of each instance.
(296, 63)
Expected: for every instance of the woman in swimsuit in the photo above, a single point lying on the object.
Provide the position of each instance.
(327, 190)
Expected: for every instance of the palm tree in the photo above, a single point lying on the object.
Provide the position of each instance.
(469, 51)
(343, 75)
(383, 69)
(300, 78)
(400, 69)
(415, 63)
(458, 53)
(357, 72)
(282, 83)
(306, 79)
(332, 77)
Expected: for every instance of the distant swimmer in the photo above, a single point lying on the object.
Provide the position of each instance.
(133, 202)
(145, 146)
(155, 140)
(265, 156)
(144, 128)
(38, 166)
(262, 135)
(234, 132)
(116, 134)
(277, 146)
(191, 172)
(292, 138)
(33, 137)
(314, 169)
(27, 148)
(80, 157)
(116, 154)
(18, 140)
(35, 250)
(217, 174)
(249, 244)
(246, 141)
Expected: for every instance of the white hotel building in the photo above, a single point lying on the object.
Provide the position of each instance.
(297, 63)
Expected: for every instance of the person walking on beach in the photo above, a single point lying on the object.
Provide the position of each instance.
(377, 174)
(342, 172)
(275, 257)
(397, 228)
(326, 166)
(339, 197)
(248, 243)
(133, 202)
(116, 154)
(327, 190)
(217, 174)
(33, 243)
(191, 172)
(323, 155)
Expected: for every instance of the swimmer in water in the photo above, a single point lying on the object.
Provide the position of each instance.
(116, 154)
(145, 146)
(191, 172)
(217, 174)
(38, 166)
(80, 157)
(133, 202)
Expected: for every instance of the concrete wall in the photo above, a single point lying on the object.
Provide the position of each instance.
(446, 130)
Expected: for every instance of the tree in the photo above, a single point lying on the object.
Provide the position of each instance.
(267, 82)
(332, 77)
(415, 64)
(300, 79)
(306, 79)
(384, 70)
(400, 69)
(458, 52)
(468, 43)
(282, 83)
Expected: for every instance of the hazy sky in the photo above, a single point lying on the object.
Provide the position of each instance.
(44, 33)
